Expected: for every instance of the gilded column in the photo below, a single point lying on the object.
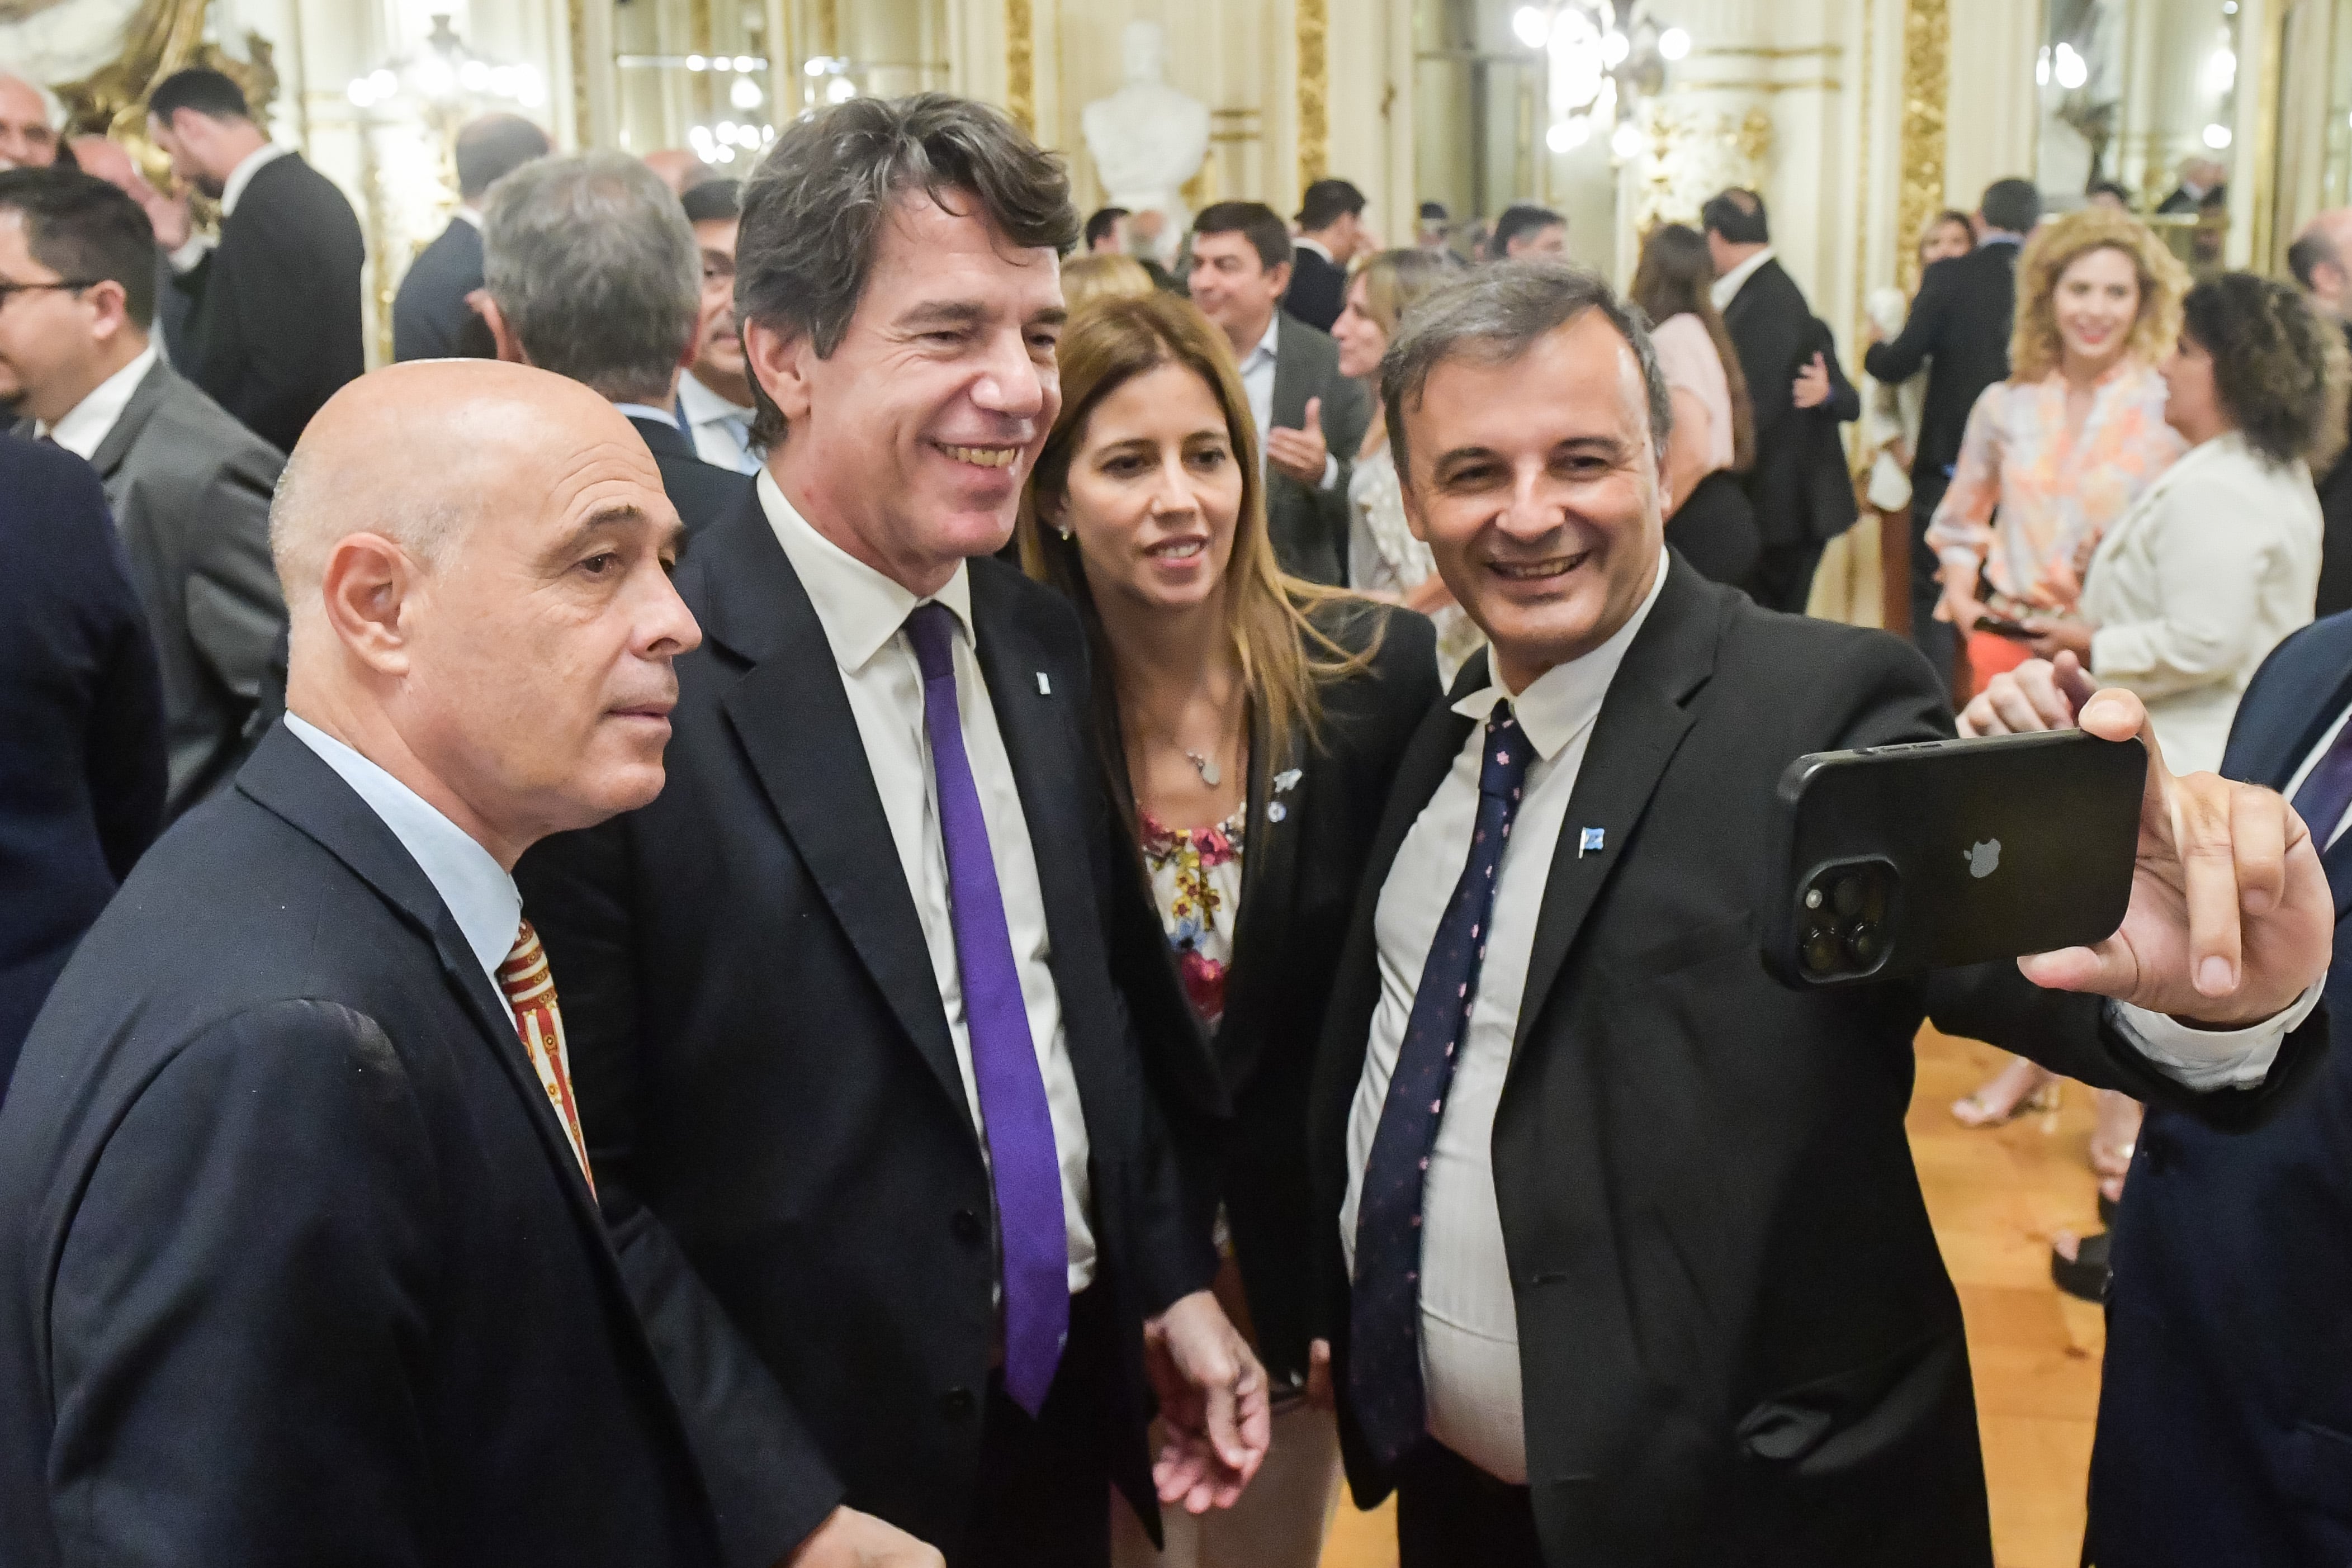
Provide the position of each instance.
(1314, 92)
(575, 17)
(1926, 84)
(1021, 63)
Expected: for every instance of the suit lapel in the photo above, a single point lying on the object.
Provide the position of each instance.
(793, 720)
(1643, 720)
(145, 399)
(1287, 406)
(1270, 882)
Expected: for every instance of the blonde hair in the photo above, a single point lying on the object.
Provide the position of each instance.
(1284, 656)
(2033, 347)
(1087, 278)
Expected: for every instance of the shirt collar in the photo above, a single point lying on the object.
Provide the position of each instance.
(242, 175)
(1305, 242)
(86, 426)
(1268, 346)
(647, 410)
(1561, 704)
(478, 894)
(466, 214)
(704, 406)
(1727, 287)
(1999, 236)
(860, 609)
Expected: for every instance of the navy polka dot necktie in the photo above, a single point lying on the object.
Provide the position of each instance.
(1384, 1372)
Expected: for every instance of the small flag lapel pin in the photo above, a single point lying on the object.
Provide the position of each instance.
(1045, 687)
(1590, 842)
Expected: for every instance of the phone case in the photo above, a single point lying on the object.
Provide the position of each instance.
(1964, 851)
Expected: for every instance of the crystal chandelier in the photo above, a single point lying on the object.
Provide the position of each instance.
(1604, 58)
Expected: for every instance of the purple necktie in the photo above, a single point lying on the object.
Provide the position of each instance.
(2326, 790)
(1019, 1128)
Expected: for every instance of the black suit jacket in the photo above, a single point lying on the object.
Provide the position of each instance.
(1738, 1340)
(702, 492)
(81, 723)
(2334, 594)
(1798, 483)
(1962, 320)
(1310, 525)
(770, 1088)
(1239, 1097)
(296, 1262)
(1319, 288)
(274, 319)
(430, 308)
(2225, 1415)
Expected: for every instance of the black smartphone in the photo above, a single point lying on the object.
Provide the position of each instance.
(1901, 859)
(2002, 626)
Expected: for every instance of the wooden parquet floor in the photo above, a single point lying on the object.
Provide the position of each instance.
(1996, 1197)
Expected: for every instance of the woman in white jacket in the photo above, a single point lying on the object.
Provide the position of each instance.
(2217, 560)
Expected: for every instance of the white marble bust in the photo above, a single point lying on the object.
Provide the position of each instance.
(1147, 138)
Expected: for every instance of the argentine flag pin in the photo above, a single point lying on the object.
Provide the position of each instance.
(1590, 840)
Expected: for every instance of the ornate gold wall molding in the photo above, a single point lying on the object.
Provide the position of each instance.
(1314, 91)
(1693, 153)
(1021, 63)
(1767, 52)
(161, 38)
(584, 128)
(1926, 84)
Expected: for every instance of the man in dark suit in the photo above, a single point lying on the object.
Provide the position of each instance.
(274, 319)
(849, 1049)
(300, 1254)
(189, 487)
(81, 724)
(1633, 1267)
(1526, 232)
(1331, 234)
(1960, 321)
(593, 272)
(430, 311)
(2204, 182)
(2321, 259)
(1798, 485)
(1311, 418)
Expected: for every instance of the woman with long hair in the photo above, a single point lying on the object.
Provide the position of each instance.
(1384, 560)
(1249, 727)
(1713, 441)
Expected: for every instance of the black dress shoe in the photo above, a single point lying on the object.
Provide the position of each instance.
(2085, 1275)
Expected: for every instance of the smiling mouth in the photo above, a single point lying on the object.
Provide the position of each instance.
(1537, 570)
(982, 456)
(1178, 550)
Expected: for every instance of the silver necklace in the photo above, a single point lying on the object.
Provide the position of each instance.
(1210, 773)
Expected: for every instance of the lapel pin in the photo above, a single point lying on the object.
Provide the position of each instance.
(1045, 687)
(1286, 780)
(1276, 811)
(1590, 840)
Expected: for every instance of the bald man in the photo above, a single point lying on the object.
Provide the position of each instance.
(299, 1255)
(2321, 258)
(31, 119)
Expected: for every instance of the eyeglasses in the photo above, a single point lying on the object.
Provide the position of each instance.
(10, 291)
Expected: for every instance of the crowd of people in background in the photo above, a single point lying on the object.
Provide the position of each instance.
(851, 878)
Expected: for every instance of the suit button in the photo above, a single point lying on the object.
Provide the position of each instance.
(957, 1403)
(966, 1227)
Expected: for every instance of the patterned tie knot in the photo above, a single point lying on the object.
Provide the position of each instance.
(524, 975)
(930, 627)
(1508, 755)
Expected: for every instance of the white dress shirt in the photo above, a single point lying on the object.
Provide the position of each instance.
(184, 260)
(481, 897)
(1469, 1315)
(1727, 287)
(721, 430)
(84, 427)
(1257, 384)
(864, 613)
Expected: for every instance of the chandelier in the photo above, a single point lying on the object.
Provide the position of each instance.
(1603, 58)
(446, 77)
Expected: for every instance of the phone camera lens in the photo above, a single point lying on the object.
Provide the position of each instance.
(1864, 944)
(1848, 896)
(1820, 951)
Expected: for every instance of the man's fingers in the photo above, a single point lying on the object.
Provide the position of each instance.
(1313, 420)
(2074, 681)
(2014, 700)
(2259, 823)
(2107, 969)
(2201, 831)
(1223, 1431)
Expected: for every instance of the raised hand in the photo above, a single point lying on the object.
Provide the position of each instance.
(1300, 453)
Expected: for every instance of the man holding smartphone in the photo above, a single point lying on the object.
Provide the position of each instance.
(1634, 1266)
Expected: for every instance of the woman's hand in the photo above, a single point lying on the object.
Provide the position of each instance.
(2052, 638)
(1959, 604)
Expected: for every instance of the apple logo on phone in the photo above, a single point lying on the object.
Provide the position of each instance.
(1983, 859)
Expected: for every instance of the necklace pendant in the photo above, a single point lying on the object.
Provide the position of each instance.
(1210, 773)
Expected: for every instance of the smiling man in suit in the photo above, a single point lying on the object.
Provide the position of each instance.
(299, 1255)
(849, 1048)
(431, 308)
(1633, 1263)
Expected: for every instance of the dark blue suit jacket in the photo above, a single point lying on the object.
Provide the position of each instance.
(430, 308)
(2225, 1422)
(81, 723)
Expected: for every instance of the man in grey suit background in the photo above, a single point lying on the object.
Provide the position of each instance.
(189, 485)
(430, 310)
(1311, 418)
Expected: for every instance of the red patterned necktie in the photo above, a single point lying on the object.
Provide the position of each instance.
(529, 989)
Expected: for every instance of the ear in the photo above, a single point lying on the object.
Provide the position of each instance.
(783, 363)
(1280, 274)
(366, 585)
(113, 315)
(510, 345)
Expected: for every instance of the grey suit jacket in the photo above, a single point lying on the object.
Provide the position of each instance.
(1309, 525)
(190, 488)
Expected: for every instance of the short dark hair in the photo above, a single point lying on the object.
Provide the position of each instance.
(1254, 221)
(1738, 215)
(210, 93)
(813, 210)
(78, 226)
(493, 145)
(1435, 213)
(1102, 223)
(2277, 366)
(1519, 218)
(1494, 315)
(1327, 202)
(2116, 188)
(713, 201)
(2013, 207)
(2312, 249)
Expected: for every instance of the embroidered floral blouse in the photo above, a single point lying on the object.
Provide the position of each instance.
(2054, 498)
(1196, 881)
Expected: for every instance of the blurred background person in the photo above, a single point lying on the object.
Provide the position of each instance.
(81, 724)
(431, 310)
(2203, 182)
(1958, 333)
(1087, 278)
(715, 403)
(1106, 232)
(679, 168)
(1713, 439)
(1433, 232)
(274, 314)
(2321, 260)
(1525, 229)
(31, 122)
(1331, 234)
(1891, 413)
(189, 487)
(1249, 727)
(1384, 560)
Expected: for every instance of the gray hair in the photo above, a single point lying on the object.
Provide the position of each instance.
(813, 211)
(1494, 315)
(53, 107)
(591, 261)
